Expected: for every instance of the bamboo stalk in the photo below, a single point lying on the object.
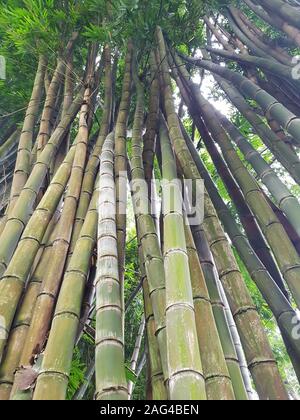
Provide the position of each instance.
(110, 367)
(228, 346)
(45, 303)
(186, 380)
(285, 200)
(25, 204)
(146, 231)
(15, 276)
(22, 168)
(268, 103)
(53, 377)
(217, 379)
(259, 355)
(120, 162)
(135, 354)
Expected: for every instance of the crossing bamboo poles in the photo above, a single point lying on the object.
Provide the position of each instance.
(248, 221)
(46, 298)
(284, 198)
(257, 349)
(110, 366)
(23, 317)
(279, 149)
(280, 307)
(53, 377)
(284, 251)
(15, 276)
(268, 103)
(25, 203)
(276, 21)
(147, 235)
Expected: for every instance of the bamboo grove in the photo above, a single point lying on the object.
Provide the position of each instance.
(121, 153)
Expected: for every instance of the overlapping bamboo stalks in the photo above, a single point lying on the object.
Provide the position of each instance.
(64, 219)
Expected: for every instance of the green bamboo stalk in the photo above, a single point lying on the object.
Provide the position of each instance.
(22, 168)
(67, 101)
(49, 106)
(280, 56)
(280, 150)
(269, 65)
(120, 162)
(53, 377)
(45, 303)
(186, 380)
(22, 320)
(228, 346)
(10, 142)
(259, 355)
(15, 276)
(135, 354)
(110, 368)
(93, 162)
(159, 391)
(217, 379)
(146, 230)
(237, 342)
(25, 204)
(282, 195)
(151, 124)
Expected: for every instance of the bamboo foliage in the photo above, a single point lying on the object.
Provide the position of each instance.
(211, 269)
